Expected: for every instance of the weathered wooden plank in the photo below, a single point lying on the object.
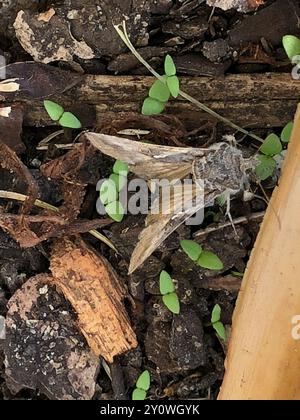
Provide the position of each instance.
(250, 100)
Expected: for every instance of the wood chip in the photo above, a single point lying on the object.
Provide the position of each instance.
(92, 287)
(46, 16)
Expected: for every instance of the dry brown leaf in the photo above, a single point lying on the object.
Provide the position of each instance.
(90, 284)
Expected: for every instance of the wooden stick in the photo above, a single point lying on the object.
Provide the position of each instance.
(263, 360)
(258, 100)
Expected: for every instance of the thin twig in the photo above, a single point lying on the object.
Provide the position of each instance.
(243, 219)
(122, 32)
(10, 195)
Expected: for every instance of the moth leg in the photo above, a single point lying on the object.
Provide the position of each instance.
(228, 214)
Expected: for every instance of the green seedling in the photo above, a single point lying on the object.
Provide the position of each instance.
(237, 274)
(172, 82)
(141, 387)
(167, 290)
(201, 257)
(110, 188)
(161, 90)
(57, 113)
(291, 44)
(287, 132)
(217, 324)
(270, 150)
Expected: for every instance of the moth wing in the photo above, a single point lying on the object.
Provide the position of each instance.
(182, 205)
(147, 160)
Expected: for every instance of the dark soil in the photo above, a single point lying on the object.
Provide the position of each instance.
(182, 353)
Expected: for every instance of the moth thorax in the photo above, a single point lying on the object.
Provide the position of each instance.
(220, 169)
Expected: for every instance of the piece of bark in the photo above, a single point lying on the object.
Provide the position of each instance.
(263, 358)
(44, 349)
(126, 62)
(195, 28)
(197, 65)
(81, 29)
(11, 120)
(95, 292)
(48, 41)
(229, 283)
(249, 100)
(282, 18)
(10, 161)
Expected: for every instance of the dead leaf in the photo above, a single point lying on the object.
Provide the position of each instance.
(74, 170)
(44, 349)
(90, 284)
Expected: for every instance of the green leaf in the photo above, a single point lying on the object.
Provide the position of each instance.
(170, 68)
(69, 120)
(115, 211)
(119, 181)
(143, 381)
(120, 168)
(152, 107)
(172, 302)
(221, 199)
(108, 191)
(173, 85)
(237, 274)
(159, 91)
(210, 260)
(271, 146)
(220, 330)
(216, 314)
(191, 248)
(54, 110)
(287, 132)
(265, 168)
(138, 395)
(165, 283)
(291, 45)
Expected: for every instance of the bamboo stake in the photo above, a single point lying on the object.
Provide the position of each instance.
(263, 360)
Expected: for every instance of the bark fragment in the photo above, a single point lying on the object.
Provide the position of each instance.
(90, 284)
(11, 121)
